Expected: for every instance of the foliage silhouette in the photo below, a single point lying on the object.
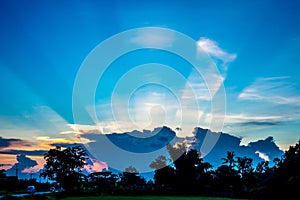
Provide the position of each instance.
(184, 172)
(65, 166)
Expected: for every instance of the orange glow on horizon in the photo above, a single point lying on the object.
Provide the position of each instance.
(96, 167)
(7, 159)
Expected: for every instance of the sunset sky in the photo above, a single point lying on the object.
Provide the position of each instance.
(255, 45)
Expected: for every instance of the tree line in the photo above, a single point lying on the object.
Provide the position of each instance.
(184, 173)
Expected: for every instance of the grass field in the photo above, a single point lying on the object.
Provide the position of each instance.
(143, 198)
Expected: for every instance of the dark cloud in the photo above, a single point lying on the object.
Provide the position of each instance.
(136, 141)
(4, 165)
(7, 142)
(260, 123)
(66, 145)
(23, 163)
(227, 142)
(25, 152)
(142, 142)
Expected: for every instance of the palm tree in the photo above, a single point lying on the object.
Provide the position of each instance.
(244, 165)
(230, 159)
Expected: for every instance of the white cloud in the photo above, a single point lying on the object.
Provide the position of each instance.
(83, 128)
(204, 88)
(278, 90)
(246, 118)
(205, 81)
(212, 48)
(201, 89)
(158, 38)
(263, 156)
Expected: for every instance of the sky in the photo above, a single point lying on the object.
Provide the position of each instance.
(250, 64)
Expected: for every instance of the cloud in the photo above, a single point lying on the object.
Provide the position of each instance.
(277, 90)
(42, 124)
(6, 165)
(205, 89)
(7, 142)
(149, 109)
(66, 145)
(261, 123)
(246, 122)
(157, 38)
(124, 149)
(23, 163)
(201, 90)
(257, 150)
(243, 118)
(25, 152)
(31, 170)
(263, 156)
(212, 48)
(83, 128)
(204, 85)
(243, 124)
(94, 165)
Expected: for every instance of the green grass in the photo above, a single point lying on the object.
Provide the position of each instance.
(143, 198)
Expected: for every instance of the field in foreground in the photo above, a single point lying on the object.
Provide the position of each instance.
(143, 198)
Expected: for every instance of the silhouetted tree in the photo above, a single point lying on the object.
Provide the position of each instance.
(184, 173)
(2, 174)
(164, 175)
(65, 166)
(101, 183)
(286, 175)
(186, 163)
(246, 172)
(3, 178)
(244, 165)
(131, 181)
(204, 178)
(262, 167)
(227, 179)
(230, 159)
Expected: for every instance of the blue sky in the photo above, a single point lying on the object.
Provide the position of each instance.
(255, 45)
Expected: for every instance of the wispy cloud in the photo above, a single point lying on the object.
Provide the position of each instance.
(205, 81)
(277, 90)
(213, 49)
(206, 87)
(83, 128)
(253, 122)
(199, 88)
(158, 38)
(261, 123)
(246, 118)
